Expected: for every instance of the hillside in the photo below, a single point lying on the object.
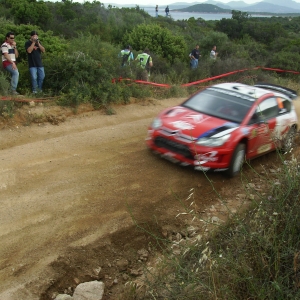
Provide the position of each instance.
(204, 8)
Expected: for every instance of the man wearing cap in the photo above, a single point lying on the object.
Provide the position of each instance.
(34, 49)
(126, 56)
(9, 56)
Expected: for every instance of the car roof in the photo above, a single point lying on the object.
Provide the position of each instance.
(251, 92)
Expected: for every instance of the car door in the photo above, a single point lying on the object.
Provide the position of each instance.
(285, 118)
(263, 123)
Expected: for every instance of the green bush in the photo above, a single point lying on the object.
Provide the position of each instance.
(159, 40)
(285, 61)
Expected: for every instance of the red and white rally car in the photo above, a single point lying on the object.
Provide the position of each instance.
(221, 126)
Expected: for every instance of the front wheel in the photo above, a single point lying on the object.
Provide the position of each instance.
(237, 160)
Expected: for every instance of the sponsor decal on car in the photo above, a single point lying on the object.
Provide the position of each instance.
(245, 131)
(183, 125)
(198, 118)
(264, 148)
(253, 134)
(175, 112)
(232, 93)
(206, 157)
(220, 130)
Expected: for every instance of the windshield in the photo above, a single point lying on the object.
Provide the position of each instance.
(231, 106)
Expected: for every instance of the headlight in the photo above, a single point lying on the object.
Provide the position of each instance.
(213, 142)
(156, 123)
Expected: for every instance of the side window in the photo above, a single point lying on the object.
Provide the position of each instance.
(268, 109)
(284, 105)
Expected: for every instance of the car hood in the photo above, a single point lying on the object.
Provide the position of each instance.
(194, 124)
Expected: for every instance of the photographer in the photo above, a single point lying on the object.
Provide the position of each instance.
(34, 48)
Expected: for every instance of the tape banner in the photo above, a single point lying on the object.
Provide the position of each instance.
(114, 80)
(205, 79)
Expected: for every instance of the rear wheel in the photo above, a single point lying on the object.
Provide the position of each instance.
(288, 141)
(237, 160)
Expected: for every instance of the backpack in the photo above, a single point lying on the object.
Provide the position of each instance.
(125, 58)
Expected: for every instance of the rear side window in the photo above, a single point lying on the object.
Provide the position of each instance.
(284, 105)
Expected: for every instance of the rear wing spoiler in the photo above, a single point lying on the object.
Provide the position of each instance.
(288, 92)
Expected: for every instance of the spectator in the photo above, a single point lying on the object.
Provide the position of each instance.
(156, 11)
(9, 55)
(145, 61)
(194, 57)
(126, 56)
(213, 53)
(167, 11)
(34, 48)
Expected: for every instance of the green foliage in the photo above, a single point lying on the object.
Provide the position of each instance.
(213, 38)
(231, 27)
(83, 40)
(264, 32)
(4, 83)
(7, 109)
(54, 45)
(74, 69)
(158, 40)
(285, 61)
(29, 12)
(240, 16)
(253, 255)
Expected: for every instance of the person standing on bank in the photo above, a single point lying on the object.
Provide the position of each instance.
(9, 55)
(146, 63)
(156, 11)
(194, 56)
(213, 53)
(167, 11)
(34, 48)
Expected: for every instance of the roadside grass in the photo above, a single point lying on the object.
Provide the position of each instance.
(255, 254)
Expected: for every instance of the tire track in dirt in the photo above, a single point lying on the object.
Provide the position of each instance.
(73, 189)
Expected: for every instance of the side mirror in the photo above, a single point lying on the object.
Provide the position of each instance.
(257, 118)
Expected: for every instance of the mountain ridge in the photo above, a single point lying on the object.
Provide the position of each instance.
(267, 6)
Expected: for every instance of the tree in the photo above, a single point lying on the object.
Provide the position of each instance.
(29, 11)
(157, 39)
(240, 16)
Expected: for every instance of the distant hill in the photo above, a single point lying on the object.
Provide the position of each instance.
(285, 3)
(204, 8)
(218, 3)
(271, 6)
(266, 6)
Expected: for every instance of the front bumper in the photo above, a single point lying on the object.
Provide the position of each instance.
(190, 154)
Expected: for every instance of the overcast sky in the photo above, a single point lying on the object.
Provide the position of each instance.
(165, 2)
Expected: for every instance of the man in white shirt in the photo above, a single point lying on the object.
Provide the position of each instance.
(213, 53)
(9, 56)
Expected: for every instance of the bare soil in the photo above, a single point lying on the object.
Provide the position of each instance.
(74, 186)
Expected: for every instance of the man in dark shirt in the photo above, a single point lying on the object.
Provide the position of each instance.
(34, 49)
(194, 56)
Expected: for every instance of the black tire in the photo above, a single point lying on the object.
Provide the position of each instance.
(288, 141)
(237, 160)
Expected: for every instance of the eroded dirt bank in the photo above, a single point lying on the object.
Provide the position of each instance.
(69, 194)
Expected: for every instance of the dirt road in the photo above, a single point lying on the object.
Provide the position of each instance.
(70, 193)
